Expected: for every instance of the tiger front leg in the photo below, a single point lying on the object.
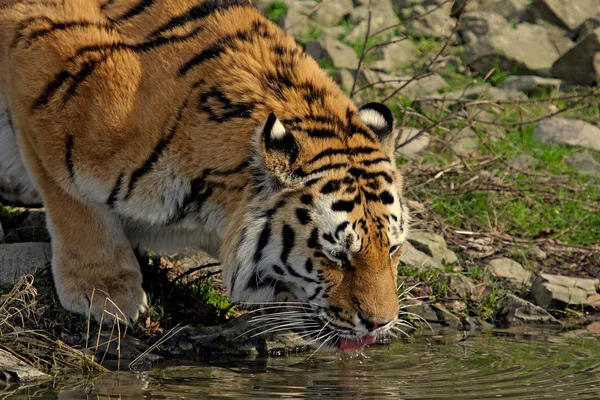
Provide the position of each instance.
(92, 259)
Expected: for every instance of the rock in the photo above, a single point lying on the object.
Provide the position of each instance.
(476, 324)
(13, 370)
(1, 234)
(515, 311)
(235, 338)
(588, 27)
(581, 64)
(594, 328)
(417, 259)
(409, 147)
(30, 228)
(429, 243)
(537, 253)
(505, 268)
(431, 21)
(480, 23)
(464, 142)
(523, 162)
(383, 16)
(484, 92)
(295, 22)
(566, 15)
(512, 9)
(584, 163)
(18, 259)
(534, 54)
(529, 83)
(459, 284)
(568, 131)
(330, 13)
(345, 78)
(450, 257)
(594, 300)
(422, 87)
(555, 291)
(341, 55)
(434, 313)
(396, 55)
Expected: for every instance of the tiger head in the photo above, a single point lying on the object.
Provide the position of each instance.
(322, 237)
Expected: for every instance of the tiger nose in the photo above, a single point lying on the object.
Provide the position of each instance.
(372, 324)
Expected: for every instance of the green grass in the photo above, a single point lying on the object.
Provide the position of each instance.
(8, 213)
(276, 10)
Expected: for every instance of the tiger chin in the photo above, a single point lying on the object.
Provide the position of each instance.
(165, 124)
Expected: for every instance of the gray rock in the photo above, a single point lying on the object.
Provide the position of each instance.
(31, 228)
(436, 314)
(523, 162)
(417, 259)
(528, 83)
(236, 338)
(345, 78)
(505, 268)
(515, 311)
(534, 54)
(555, 291)
(481, 23)
(340, 54)
(330, 13)
(568, 15)
(450, 257)
(584, 163)
(431, 21)
(581, 64)
(429, 243)
(18, 259)
(512, 9)
(1, 234)
(396, 55)
(430, 84)
(464, 142)
(16, 371)
(484, 92)
(295, 22)
(460, 284)
(383, 16)
(568, 131)
(588, 27)
(416, 146)
(537, 253)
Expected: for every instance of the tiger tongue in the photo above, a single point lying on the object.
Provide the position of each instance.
(350, 345)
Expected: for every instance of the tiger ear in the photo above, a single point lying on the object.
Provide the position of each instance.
(277, 151)
(380, 120)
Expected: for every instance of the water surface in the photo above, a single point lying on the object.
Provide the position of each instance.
(514, 366)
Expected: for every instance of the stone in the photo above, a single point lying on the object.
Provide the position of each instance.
(581, 64)
(529, 83)
(340, 54)
(1, 233)
(18, 259)
(505, 268)
(417, 259)
(556, 291)
(588, 27)
(537, 253)
(573, 132)
(481, 23)
(295, 22)
(435, 313)
(515, 311)
(568, 15)
(30, 228)
(459, 284)
(383, 16)
(484, 91)
(464, 142)
(512, 9)
(13, 370)
(584, 163)
(330, 13)
(345, 78)
(431, 21)
(396, 55)
(430, 84)
(450, 257)
(534, 54)
(523, 162)
(409, 147)
(429, 243)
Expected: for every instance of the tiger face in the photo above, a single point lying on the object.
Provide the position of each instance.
(324, 234)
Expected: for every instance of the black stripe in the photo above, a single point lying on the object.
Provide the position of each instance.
(10, 121)
(386, 197)
(112, 198)
(329, 238)
(278, 270)
(306, 199)
(367, 163)
(157, 152)
(293, 272)
(326, 167)
(345, 205)
(289, 240)
(263, 240)
(61, 26)
(350, 151)
(199, 12)
(219, 47)
(303, 215)
(313, 240)
(341, 227)
(234, 278)
(316, 293)
(308, 266)
(69, 157)
(331, 186)
(139, 8)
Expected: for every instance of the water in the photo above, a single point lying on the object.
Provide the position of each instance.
(513, 366)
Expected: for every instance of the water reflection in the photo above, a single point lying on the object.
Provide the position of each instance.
(521, 366)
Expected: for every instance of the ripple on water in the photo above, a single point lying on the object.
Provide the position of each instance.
(483, 367)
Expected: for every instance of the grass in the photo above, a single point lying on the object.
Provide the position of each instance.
(276, 10)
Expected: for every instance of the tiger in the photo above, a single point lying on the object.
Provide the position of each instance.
(177, 124)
